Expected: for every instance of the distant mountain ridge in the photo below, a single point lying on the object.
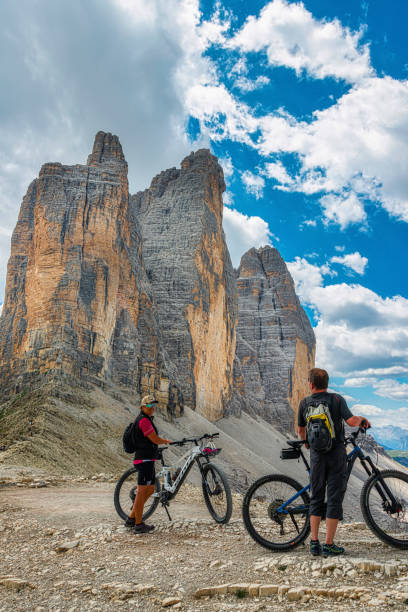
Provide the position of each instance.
(391, 437)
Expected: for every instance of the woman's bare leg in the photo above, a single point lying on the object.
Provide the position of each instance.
(142, 495)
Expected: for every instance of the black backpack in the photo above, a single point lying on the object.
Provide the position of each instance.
(129, 442)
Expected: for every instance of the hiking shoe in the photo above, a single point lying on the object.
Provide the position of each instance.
(315, 548)
(130, 522)
(332, 550)
(143, 528)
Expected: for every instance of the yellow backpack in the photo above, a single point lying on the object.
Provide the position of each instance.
(320, 431)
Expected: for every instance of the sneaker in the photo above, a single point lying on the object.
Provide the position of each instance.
(143, 528)
(332, 550)
(130, 522)
(315, 548)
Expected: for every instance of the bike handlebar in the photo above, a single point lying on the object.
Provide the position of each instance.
(352, 437)
(187, 440)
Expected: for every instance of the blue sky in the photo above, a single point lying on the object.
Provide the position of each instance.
(306, 106)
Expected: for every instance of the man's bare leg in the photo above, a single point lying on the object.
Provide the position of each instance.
(314, 525)
(331, 526)
(142, 495)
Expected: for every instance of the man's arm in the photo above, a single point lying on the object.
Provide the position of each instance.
(353, 421)
(358, 421)
(302, 433)
(302, 423)
(153, 437)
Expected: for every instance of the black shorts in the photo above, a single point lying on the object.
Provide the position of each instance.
(146, 473)
(328, 476)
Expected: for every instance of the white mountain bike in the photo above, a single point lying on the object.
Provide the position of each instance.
(215, 486)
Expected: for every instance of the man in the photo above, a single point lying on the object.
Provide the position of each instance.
(327, 470)
(147, 441)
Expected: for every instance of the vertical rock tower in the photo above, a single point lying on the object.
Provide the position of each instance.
(275, 341)
(78, 303)
(139, 292)
(188, 265)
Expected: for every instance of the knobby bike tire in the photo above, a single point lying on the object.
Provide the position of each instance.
(249, 521)
(224, 489)
(119, 504)
(368, 503)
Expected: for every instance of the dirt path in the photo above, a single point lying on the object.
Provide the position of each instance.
(110, 568)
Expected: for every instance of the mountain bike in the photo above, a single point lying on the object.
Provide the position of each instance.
(215, 486)
(276, 508)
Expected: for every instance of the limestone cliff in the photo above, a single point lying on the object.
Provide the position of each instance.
(189, 267)
(275, 341)
(137, 293)
(78, 303)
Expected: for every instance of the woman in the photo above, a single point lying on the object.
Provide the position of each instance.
(147, 441)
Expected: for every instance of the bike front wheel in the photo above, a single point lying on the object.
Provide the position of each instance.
(217, 493)
(267, 523)
(384, 504)
(125, 493)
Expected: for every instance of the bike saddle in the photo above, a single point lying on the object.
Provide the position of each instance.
(295, 443)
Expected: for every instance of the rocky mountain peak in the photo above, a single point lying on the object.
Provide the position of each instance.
(265, 260)
(204, 161)
(106, 148)
(139, 292)
(275, 341)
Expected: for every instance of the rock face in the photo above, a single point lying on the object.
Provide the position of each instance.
(138, 292)
(188, 264)
(275, 342)
(78, 302)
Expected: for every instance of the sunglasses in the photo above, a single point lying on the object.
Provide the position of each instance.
(151, 405)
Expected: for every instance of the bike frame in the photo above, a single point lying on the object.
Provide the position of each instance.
(193, 455)
(353, 455)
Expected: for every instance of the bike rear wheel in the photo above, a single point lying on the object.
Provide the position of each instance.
(125, 493)
(271, 528)
(217, 493)
(388, 521)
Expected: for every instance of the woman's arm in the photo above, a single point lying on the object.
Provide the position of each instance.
(153, 437)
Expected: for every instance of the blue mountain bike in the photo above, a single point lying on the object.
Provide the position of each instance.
(276, 508)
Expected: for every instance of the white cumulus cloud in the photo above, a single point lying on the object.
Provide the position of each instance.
(359, 334)
(355, 150)
(244, 84)
(382, 417)
(290, 36)
(244, 232)
(227, 166)
(354, 261)
(391, 371)
(352, 153)
(361, 381)
(367, 409)
(307, 277)
(391, 389)
(254, 183)
(343, 209)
